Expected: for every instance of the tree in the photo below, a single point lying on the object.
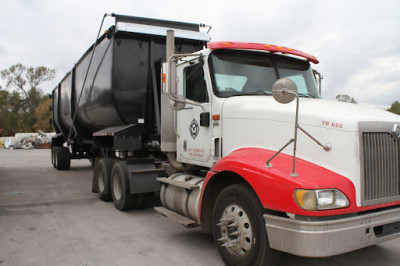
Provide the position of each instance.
(345, 98)
(43, 115)
(11, 113)
(27, 80)
(395, 108)
(18, 113)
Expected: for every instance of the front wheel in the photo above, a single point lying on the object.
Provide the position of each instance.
(239, 228)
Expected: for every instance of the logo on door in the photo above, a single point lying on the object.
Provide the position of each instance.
(194, 128)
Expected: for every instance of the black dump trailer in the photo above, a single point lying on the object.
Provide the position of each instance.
(107, 108)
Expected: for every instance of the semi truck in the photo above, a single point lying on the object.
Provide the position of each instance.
(232, 137)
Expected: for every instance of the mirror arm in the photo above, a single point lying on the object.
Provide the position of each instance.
(326, 147)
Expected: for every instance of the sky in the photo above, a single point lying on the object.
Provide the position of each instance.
(356, 41)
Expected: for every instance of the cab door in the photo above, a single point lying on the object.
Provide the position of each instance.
(193, 121)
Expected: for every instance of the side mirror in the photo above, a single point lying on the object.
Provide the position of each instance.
(284, 90)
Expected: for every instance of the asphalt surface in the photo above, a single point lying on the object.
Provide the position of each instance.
(50, 217)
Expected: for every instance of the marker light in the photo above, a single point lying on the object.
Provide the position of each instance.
(215, 117)
(261, 47)
(323, 199)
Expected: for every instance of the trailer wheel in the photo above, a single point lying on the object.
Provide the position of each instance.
(53, 156)
(95, 186)
(66, 158)
(103, 172)
(122, 198)
(59, 158)
(239, 228)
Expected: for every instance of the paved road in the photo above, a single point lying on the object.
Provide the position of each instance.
(50, 217)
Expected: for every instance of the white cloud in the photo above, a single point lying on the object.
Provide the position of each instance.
(378, 82)
(352, 39)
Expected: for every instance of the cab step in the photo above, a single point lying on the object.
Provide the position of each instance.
(181, 219)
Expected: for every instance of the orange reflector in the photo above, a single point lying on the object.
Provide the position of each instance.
(163, 78)
(215, 117)
(279, 47)
(267, 46)
(227, 43)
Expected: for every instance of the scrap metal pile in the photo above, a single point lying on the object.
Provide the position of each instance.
(28, 141)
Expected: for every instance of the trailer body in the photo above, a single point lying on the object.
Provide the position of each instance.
(121, 85)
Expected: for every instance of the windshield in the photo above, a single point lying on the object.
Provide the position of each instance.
(236, 73)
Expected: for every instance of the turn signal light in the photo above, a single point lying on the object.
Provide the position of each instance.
(321, 199)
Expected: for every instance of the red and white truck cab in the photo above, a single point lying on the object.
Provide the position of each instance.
(234, 138)
(337, 191)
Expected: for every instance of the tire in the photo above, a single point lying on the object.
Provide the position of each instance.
(66, 158)
(239, 228)
(122, 198)
(59, 158)
(53, 155)
(95, 187)
(103, 172)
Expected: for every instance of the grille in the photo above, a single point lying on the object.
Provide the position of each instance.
(381, 167)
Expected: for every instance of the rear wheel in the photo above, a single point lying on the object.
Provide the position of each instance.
(239, 228)
(122, 198)
(103, 172)
(66, 158)
(59, 158)
(53, 156)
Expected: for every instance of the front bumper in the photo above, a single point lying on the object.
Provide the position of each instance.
(333, 237)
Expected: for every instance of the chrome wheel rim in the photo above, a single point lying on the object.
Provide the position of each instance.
(100, 180)
(236, 231)
(117, 186)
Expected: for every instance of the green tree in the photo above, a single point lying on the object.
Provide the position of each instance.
(43, 115)
(395, 108)
(27, 81)
(25, 96)
(11, 110)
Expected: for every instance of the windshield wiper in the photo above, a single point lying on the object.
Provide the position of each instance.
(305, 95)
(257, 93)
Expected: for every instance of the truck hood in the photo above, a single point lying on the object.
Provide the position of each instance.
(261, 122)
(312, 112)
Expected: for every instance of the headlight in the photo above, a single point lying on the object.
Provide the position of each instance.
(323, 199)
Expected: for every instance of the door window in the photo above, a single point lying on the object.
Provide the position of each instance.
(195, 85)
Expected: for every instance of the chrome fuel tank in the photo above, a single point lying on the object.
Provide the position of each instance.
(181, 194)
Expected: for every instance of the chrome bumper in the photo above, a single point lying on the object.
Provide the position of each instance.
(328, 238)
